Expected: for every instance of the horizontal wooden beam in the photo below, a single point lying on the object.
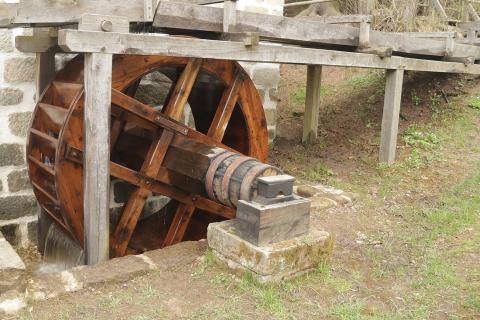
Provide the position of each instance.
(291, 30)
(156, 44)
(58, 12)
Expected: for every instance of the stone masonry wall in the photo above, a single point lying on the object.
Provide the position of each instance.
(17, 100)
(265, 75)
(17, 94)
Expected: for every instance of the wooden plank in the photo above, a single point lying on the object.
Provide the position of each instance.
(44, 71)
(191, 17)
(391, 116)
(225, 109)
(312, 104)
(283, 29)
(154, 44)
(305, 3)
(98, 79)
(176, 105)
(443, 35)
(229, 15)
(51, 12)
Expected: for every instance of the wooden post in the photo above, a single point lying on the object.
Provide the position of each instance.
(312, 104)
(98, 86)
(366, 6)
(229, 15)
(44, 67)
(391, 115)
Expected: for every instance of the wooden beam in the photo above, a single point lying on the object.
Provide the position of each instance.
(51, 12)
(229, 15)
(45, 71)
(155, 44)
(391, 115)
(305, 3)
(282, 29)
(312, 104)
(96, 163)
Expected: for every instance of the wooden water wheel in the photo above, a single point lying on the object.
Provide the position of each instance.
(151, 149)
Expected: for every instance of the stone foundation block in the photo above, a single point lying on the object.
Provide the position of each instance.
(272, 263)
(12, 268)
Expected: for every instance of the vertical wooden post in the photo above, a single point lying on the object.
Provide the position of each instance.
(312, 104)
(98, 86)
(44, 66)
(229, 15)
(391, 115)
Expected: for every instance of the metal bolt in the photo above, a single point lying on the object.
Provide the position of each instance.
(106, 26)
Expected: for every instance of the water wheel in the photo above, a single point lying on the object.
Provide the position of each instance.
(151, 150)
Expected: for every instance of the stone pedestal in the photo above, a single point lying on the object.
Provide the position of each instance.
(269, 263)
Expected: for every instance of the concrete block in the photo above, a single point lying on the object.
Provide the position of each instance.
(272, 263)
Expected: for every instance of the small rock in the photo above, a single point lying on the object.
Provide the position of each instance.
(307, 191)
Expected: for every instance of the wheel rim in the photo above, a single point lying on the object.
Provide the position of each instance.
(58, 119)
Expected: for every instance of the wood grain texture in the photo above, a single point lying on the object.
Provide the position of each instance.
(151, 44)
(391, 115)
(98, 79)
(312, 104)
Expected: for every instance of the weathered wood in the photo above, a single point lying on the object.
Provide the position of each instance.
(98, 79)
(391, 115)
(67, 11)
(312, 104)
(45, 72)
(229, 15)
(344, 19)
(192, 17)
(364, 35)
(442, 35)
(105, 23)
(303, 3)
(151, 44)
(225, 109)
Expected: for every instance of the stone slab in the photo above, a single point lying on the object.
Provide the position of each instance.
(272, 263)
(51, 285)
(12, 268)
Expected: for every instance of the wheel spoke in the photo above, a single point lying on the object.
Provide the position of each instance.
(183, 87)
(136, 201)
(179, 225)
(225, 109)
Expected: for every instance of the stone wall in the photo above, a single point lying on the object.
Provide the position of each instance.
(265, 75)
(17, 92)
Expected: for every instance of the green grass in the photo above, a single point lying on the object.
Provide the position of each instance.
(318, 172)
(474, 103)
